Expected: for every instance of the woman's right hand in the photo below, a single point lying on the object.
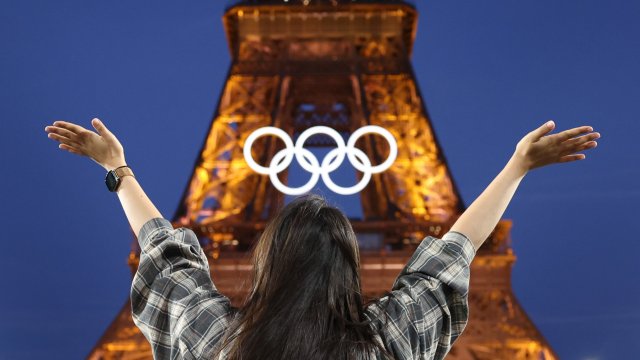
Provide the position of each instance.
(537, 150)
(102, 147)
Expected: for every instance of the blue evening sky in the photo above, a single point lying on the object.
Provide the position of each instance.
(490, 71)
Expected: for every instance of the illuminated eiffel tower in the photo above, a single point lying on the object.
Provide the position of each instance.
(343, 64)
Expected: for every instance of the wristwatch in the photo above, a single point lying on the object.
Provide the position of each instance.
(114, 177)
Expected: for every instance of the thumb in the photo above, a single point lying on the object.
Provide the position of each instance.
(102, 130)
(542, 130)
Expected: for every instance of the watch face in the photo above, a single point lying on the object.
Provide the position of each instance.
(111, 180)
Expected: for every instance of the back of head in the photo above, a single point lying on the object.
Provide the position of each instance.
(305, 301)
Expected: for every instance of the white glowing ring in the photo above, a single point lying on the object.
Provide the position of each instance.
(268, 130)
(315, 175)
(393, 149)
(319, 130)
(283, 158)
(366, 175)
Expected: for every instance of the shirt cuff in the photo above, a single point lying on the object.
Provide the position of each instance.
(467, 250)
(150, 228)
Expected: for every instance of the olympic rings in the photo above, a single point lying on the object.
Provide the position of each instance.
(308, 161)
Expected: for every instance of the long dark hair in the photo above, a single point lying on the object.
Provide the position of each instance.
(305, 301)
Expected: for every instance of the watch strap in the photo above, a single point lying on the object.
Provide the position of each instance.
(123, 171)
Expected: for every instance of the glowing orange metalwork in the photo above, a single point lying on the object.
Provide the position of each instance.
(222, 174)
(419, 179)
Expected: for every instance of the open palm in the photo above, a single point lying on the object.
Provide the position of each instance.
(102, 147)
(537, 149)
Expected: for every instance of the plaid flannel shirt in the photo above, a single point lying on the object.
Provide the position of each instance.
(177, 307)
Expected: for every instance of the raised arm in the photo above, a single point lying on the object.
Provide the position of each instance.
(533, 151)
(427, 309)
(174, 302)
(105, 149)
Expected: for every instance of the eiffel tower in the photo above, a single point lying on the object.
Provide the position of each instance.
(343, 64)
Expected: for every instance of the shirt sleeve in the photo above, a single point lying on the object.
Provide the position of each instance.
(427, 308)
(174, 302)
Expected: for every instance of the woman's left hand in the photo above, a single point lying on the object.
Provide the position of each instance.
(536, 150)
(103, 147)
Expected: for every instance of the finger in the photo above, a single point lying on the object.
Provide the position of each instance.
(573, 157)
(578, 143)
(542, 130)
(582, 147)
(568, 134)
(582, 139)
(588, 145)
(60, 131)
(70, 149)
(63, 139)
(101, 128)
(69, 126)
